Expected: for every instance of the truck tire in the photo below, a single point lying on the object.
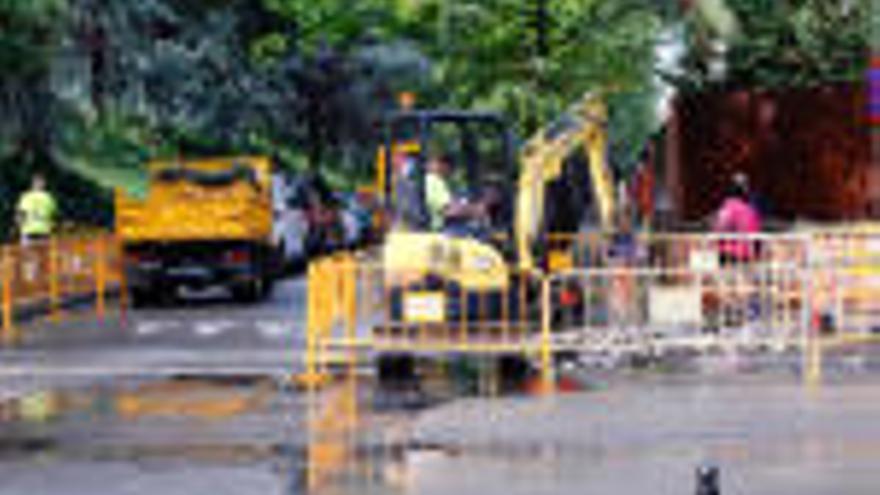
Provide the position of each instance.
(251, 292)
(268, 287)
(142, 298)
(246, 293)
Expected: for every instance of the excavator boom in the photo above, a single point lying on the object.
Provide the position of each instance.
(542, 159)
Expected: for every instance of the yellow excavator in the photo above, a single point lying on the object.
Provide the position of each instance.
(432, 271)
(543, 160)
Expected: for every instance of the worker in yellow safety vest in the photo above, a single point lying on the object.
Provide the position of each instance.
(36, 212)
(443, 207)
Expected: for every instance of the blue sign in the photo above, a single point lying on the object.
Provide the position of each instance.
(874, 89)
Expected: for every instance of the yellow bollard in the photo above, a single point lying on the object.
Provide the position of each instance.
(54, 282)
(812, 348)
(311, 324)
(329, 272)
(100, 252)
(813, 375)
(547, 372)
(314, 374)
(351, 303)
(119, 271)
(8, 328)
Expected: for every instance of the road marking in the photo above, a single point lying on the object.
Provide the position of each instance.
(150, 328)
(212, 328)
(282, 369)
(273, 329)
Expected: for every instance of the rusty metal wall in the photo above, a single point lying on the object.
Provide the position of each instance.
(807, 151)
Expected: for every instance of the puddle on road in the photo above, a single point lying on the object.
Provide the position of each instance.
(259, 435)
(302, 438)
(184, 398)
(195, 417)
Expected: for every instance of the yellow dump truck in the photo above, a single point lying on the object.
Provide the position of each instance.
(203, 223)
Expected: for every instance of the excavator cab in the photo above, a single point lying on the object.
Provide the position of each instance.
(478, 147)
(528, 192)
(556, 180)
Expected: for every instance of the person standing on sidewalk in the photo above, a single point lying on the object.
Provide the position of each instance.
(737, 223)
(737, 218)
(36, 212)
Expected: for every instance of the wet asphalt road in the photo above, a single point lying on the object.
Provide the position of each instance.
(647, 436)
(91, 451)
(632, 434)
(204, 331)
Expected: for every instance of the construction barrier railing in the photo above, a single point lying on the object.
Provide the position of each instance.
(847, 278)
(687, 285)
(700, 251)
(617, 311)
(332, 424)
(846, 285)
(49, 278)
(611, 294)
(356, 306)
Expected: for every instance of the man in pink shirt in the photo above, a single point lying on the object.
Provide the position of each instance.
(737, 216)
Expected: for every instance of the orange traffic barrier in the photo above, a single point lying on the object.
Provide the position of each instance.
(8, 330)
(47, 277)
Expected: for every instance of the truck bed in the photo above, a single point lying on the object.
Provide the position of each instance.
(179, 209)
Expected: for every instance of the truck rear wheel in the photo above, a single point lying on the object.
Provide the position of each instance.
(245, 292)
(268, 287)
(142, 298)
(252, 291)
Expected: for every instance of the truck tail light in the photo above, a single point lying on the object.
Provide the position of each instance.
(238, 256)
(142, 256)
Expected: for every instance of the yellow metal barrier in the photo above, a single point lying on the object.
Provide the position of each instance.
(355, 306)
(647, 293)
(846, 279)
(43, 277)
(332, 422)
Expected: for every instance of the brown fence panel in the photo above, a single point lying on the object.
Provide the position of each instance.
(807, 151)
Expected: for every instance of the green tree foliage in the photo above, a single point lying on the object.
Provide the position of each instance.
(490, 55)
(100, 86)
(486, 54)
(31, 36)
(782, 43)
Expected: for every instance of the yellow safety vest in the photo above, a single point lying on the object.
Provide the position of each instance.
(437, 197)
(38, 211)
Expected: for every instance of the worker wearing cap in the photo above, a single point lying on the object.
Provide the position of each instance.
(36, 212)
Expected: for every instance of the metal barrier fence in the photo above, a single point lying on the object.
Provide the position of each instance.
(645, 293)
(332, 424)
(847, 268)
(46, 277)
(354, 306)
(846, 284)
(658, 290)
(650, 310)
(703, 251)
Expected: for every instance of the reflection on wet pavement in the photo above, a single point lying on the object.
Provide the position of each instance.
(637, 434)
(152, 436)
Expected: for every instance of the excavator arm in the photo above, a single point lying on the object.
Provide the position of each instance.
(542, 159)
